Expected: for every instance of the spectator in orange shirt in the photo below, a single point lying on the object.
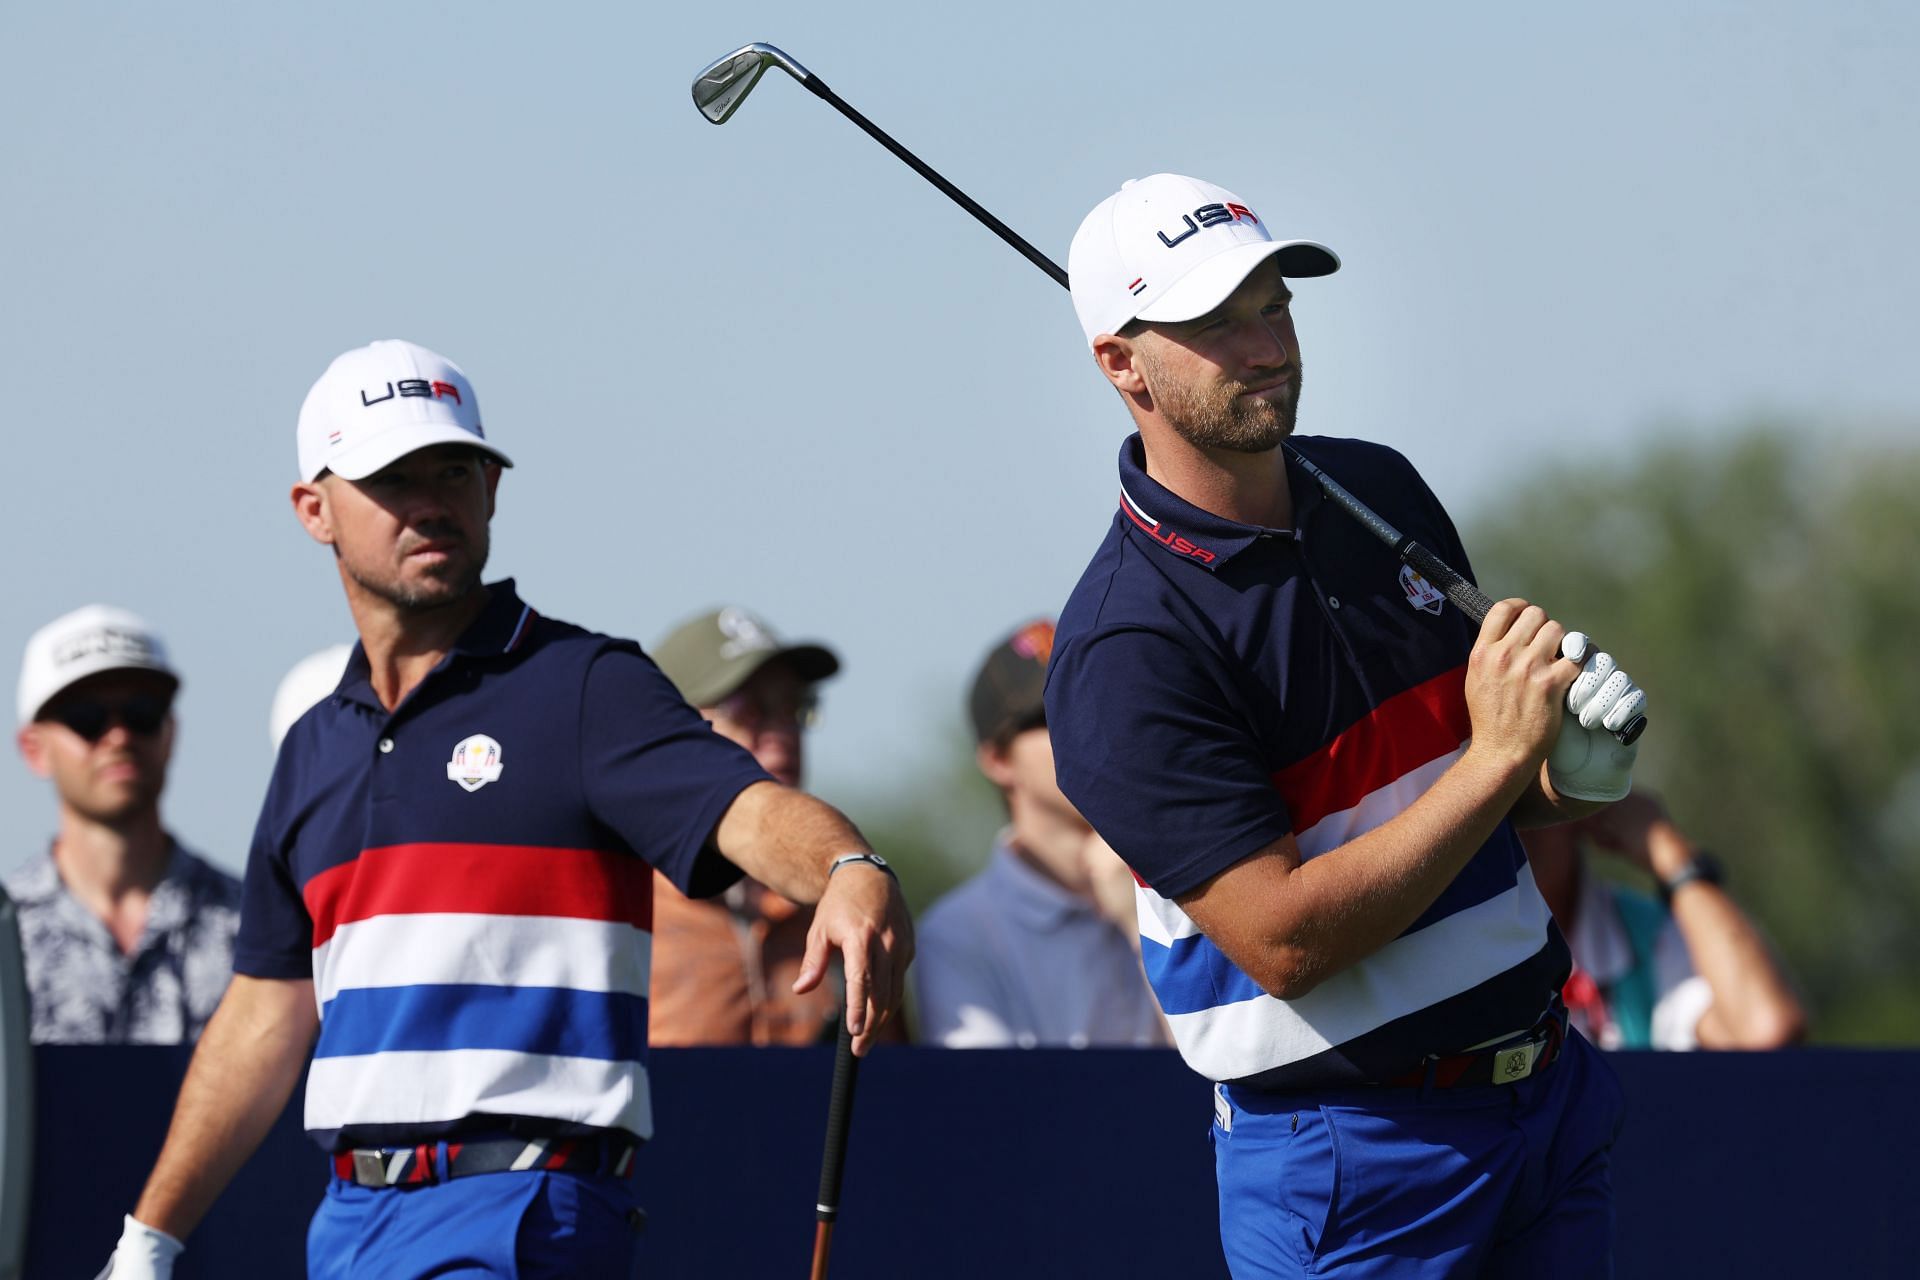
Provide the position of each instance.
(723, 968)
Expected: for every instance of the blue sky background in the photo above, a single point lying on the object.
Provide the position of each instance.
(767, 364)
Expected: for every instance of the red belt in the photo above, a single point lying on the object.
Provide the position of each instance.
(1508, 1062)
(423, 1163)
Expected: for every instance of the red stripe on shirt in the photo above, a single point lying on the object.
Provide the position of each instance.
(1408, 730)
(481, 879)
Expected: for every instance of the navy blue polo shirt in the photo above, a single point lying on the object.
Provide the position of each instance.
(467, 879)
(1215, 686)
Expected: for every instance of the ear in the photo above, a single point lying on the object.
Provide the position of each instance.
(1115, 356)
(995, 763)
(492, 472)
(33, 749)
(313, 510)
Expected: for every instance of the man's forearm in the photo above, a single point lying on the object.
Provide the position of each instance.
(1291, 924)
(246, 1065)
(1754, 1007)
(786, 839)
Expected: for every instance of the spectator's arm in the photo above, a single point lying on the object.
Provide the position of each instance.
(245, 1067)
(1754, 1006)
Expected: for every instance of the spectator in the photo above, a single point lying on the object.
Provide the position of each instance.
(1040, 948)
(723, 968)
(306, 683)
(128, 937)
(1689, 971)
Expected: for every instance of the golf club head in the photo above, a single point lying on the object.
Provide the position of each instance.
(721, 88)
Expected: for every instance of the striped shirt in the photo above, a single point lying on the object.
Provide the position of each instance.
(1216, 686)
(468, 882)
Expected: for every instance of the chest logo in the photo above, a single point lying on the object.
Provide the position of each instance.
(1421, 594)
(475, 763)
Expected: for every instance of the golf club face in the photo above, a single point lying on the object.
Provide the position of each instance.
(721, 88)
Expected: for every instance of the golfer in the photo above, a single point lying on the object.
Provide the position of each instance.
(448, 897)
(1314, 766)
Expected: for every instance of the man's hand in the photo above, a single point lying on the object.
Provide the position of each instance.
(1516, 682)
(864, 916)
(1588, 762)
(142, 1254)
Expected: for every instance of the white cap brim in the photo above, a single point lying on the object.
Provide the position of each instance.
(389, 447)
(1213, 281)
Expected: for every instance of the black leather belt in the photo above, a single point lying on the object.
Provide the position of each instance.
(429, 1162)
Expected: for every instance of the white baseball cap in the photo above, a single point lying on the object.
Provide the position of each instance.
(1167, 247)
(85, 643)
(305, 684)
(380, 402)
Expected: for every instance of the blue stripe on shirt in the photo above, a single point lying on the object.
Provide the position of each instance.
(536, 1020)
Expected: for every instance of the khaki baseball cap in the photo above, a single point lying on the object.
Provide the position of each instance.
(1008, 691)
(711, 656)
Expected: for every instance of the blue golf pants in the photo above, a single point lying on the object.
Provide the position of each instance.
(516, 1226)
(1495, 1181)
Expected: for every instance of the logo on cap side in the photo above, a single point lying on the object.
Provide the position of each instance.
(110, 641)
(744, 633)
(1210, 215)
(420, 387)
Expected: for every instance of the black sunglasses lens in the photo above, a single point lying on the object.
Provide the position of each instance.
(144, 715)
(88, 719)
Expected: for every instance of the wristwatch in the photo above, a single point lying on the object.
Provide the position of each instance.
(873, 858)
(1701, 866)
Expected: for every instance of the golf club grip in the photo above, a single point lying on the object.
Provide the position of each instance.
(1466, 597)
(846, 1071)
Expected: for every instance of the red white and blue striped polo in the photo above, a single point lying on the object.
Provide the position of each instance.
(468, 881)
(1215, 686)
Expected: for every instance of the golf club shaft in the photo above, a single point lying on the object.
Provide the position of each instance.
(921, 167)
(1468, 598)
(846, 1072)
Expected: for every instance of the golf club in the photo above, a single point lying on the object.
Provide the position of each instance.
(846, 1070)
(718, 92)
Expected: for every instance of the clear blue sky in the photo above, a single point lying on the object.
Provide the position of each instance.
(767, 364)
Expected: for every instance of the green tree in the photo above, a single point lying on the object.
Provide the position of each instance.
(1763, 590)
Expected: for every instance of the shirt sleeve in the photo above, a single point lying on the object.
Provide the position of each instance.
(1149, 749)
(656, 773)
(275, 939)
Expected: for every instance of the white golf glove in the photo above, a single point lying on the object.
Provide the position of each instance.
(1587, 761)
(142, 1254)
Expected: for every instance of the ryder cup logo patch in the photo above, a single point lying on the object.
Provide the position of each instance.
(475, 763)
(1421, 594)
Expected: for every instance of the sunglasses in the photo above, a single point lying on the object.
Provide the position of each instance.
(142, 714)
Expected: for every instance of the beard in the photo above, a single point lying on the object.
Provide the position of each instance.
(1220, 415)
(442, 585)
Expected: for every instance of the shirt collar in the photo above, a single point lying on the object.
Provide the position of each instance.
(1026, 893)
(1183, 530)
(503, 626)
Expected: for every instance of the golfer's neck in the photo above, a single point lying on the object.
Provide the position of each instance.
(1248, 488)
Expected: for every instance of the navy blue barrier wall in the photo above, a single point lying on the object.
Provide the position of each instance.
(1042, 1164)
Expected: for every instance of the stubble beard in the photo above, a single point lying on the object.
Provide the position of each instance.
(1221, 415)
(445, 585)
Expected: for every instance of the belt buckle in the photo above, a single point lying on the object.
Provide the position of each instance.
(369, 1170)
(1510, 1065)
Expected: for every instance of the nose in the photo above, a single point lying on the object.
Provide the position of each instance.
(1272, 343)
